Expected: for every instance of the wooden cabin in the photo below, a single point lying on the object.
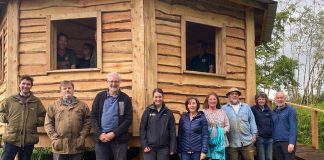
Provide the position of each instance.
(150, 42)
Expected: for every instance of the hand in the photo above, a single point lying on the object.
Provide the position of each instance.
(253, 139)
(110, 136)
(202, 156)
(103, 138)
(147, 149)
(290, 148)
(171, 153)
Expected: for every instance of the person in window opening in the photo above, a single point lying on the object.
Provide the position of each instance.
(263, 118)
(93, 60)
(87, 51)
(193, 132)
(157, 129)
(65, 57)
(204, 62)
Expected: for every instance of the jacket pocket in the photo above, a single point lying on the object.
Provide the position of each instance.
(80, 143)
(10, 134)
(32, 137)
(57, 144)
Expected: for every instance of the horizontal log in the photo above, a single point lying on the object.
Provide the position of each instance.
(236, 76)
(67, 10)
(123, 67)
(167, 23)
(32, 70)
(117, 57)
(116, 17)
(31, 4)
(169, 61)
(169, 40)
(235, 32)
(74, 76)
(236, 60)
(169, 17)
(235, 43)
(33, 59)
(32, 47)
(119, 46)
(235, 51)
(32, 22)
(168, 50)
(116, 36)
(168, 69)
(235, 69)
(32, 29)
(119, 25)
(167, 30)
(33, 37)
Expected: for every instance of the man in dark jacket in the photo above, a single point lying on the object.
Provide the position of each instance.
(22, 113)
(111, 116)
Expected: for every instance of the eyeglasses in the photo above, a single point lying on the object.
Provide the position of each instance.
(116, 82)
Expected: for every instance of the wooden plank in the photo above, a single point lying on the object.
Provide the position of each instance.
(167, 23)
(211, 17)
(116, 36)
(138, 48)
(236, 60)
(169, 40)
(116, 17)
(169, 17)
(30, 5)
(117, 26)
(32, 47)
(32, 37)
(33, 59)
(235, 43)
(32, 22)
(235, 32)
(32, 69)
(250, 57)
(99, 40)
(314, 117)
(235, 51)
(236, 76)
(192, 79)
(66, 10)
(235, 69)
(169, 61)
(120, 46)
(13, 36)
(32, 29)
(117, 57)
(167, 30)
(121, 67)
(168, 50)
(168, 69)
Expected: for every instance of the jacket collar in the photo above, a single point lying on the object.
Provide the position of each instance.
(163, 108)
(283, 108)
(31, 98)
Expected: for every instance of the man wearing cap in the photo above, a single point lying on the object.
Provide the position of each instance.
(284, 130)
(243, 127)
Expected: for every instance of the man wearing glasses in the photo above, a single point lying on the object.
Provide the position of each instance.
(111, 115)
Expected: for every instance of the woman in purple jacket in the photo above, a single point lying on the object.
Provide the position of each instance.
(193, 132)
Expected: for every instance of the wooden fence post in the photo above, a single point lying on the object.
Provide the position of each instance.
(315, 143)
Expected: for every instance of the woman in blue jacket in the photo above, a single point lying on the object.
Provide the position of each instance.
(157, 129)
(193, 132)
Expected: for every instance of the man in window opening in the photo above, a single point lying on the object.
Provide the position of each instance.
(93, 60)
(85, 61)
(65, 57)
(204, 62)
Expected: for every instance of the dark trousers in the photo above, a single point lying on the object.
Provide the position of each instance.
(111, 150)
(157, 154)
(57, 156)
(247, 152)
(10, 151)
(280, 151)
(190, 156)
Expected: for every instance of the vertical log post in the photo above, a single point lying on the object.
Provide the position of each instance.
(314, 122)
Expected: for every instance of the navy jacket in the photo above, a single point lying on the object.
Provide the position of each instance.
(193, 135)
(263, 120)
(284, 125)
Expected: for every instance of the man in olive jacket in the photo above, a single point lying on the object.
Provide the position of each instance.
(22, 114)
(67, 124)
(111, 116)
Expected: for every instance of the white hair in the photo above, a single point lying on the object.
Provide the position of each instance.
(111, 74)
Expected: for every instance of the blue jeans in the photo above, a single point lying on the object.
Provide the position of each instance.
(10, 151)
(264, 148)
(192, 156)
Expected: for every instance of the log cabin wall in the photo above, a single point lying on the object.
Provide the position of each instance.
(177, 83)
(4, 57)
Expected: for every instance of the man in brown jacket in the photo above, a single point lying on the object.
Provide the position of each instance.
(67, 124)
(22, 114)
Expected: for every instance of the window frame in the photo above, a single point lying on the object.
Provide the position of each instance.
(220, 46)
(51, 40)
(2, 49)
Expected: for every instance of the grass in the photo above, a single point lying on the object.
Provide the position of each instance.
(305, 127)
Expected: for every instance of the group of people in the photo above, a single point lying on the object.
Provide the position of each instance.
(219, 132)
(66, 57)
